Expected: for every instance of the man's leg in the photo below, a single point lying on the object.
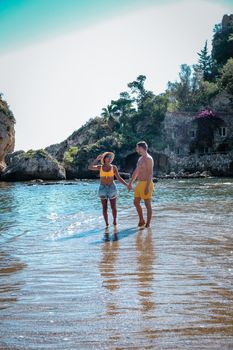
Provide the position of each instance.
(139, 210)
(149, 211)
(114, 210)
(104, 202)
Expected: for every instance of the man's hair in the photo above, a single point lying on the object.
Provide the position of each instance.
(143, 144)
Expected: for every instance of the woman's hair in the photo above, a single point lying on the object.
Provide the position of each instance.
(143, 144)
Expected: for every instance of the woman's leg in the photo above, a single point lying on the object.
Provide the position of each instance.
(104, 202)
(114, 210)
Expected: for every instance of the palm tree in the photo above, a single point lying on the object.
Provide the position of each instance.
(109, 112)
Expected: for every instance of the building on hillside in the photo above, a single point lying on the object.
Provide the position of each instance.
(189, 133)
(199, 141)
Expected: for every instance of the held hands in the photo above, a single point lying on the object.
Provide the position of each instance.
(129, 186)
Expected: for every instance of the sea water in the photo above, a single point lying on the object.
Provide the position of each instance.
(66, 283)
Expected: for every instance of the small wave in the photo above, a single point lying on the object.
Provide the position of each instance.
(53, 216)
(219, 184)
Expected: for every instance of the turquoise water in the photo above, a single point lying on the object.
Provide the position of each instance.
(61, 209)
(66, 283)
(24, 207)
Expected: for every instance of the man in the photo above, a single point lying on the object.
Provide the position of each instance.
(145, 186)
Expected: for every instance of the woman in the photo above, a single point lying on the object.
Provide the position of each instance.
(107, 188)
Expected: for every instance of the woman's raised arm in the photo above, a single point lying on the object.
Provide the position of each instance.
(94, 165)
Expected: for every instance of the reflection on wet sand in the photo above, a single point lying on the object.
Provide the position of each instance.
(108, 261)
(145, 259)
(108, 268)
(118, 279)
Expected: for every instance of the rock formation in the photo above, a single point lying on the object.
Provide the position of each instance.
(23, 166)
(222, 44)
(7, 132)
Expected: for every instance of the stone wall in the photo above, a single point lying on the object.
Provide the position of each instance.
(215, 164)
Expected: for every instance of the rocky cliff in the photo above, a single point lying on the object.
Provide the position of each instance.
(7, 132)
(222, 44)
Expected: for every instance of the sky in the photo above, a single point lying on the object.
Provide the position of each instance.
(62, 61)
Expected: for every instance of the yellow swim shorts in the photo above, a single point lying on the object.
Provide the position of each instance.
(140, 190)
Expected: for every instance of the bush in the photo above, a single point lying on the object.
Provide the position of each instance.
(69, 155)
(205, 93)
(226, 79)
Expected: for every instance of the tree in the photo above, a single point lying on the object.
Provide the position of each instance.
(124, 105)
(181, 92)
(205, 63)
(109, 111)
(150, 119)
(217, 28)
(206, 91)
(111, 114)
(138, 90)
(226, 80)
(137, 87)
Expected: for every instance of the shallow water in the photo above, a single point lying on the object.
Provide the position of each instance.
(67, 284)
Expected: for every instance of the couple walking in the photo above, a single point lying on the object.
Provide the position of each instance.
(143, 190)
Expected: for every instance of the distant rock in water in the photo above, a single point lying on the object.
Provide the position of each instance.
(23, 166)
(7, 132)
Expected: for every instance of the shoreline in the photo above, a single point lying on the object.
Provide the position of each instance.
(76, 181)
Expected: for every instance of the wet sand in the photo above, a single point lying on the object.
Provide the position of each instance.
(168, 287)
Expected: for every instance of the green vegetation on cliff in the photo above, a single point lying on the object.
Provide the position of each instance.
(35, 153)
(226, 78)
(139, 113)
(222, 42)
(70, 154)
(136, 114)
(213, 73)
